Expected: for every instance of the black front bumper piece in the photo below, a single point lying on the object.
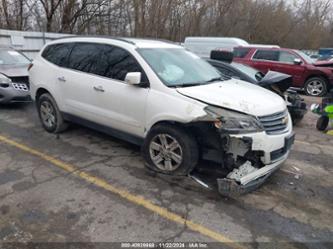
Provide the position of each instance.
(230, 188)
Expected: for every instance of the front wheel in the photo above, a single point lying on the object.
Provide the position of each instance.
(316, 86)
(170, 150)
(50, 115)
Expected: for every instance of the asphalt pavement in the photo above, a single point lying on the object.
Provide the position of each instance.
(85, 186)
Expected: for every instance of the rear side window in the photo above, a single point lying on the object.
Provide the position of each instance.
(57, 53)
(86, 57)
(104, 60)
(267, 55)
(241, 52)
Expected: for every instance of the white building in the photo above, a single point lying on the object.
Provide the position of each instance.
(27, 42)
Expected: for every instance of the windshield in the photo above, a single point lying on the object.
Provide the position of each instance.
(12, 57)
(249, 71)
(179, 67)
(307, 58)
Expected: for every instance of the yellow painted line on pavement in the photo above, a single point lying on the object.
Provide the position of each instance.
(138, 200)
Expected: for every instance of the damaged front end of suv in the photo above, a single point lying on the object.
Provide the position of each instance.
(238, 144)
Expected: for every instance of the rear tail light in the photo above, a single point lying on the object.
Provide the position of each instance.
(30, 66)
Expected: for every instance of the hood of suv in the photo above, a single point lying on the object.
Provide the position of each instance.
(324, 64)
(14, 70)
(237, 95)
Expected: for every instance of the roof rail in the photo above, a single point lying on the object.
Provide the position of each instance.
(149, 39)
(97, 36)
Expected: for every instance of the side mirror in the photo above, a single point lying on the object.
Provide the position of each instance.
(133, 78)
(297, 61)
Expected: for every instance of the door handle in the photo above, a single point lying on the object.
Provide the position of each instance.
(62, 79)
(99, 89)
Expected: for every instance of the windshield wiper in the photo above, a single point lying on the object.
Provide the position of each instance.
(214, 79)
(221, 78)
(188, 84)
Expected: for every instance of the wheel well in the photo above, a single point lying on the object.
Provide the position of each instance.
(318, 76)
(205, 134)
(41, 91)
(169, 123)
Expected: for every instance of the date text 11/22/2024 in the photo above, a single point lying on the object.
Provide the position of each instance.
(164, 245)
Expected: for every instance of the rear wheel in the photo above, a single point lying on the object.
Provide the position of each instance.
(170, 150)
(50, 115)
(316, 86)
(322, 123)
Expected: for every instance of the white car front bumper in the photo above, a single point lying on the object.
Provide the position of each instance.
(274, 147)
(275, 150)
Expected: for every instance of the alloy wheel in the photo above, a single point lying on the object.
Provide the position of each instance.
(315, 87)
(166, 152)
(47, 113)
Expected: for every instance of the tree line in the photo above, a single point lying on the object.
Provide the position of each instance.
(304, 24)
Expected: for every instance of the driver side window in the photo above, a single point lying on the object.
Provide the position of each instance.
(119, 62)
(266, 55)
(286, 57)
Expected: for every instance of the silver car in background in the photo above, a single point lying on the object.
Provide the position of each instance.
(14, 80)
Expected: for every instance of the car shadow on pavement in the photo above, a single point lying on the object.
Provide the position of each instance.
(15, 106)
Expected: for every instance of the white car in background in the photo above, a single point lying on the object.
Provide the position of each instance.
(202, 46)
(169, 101)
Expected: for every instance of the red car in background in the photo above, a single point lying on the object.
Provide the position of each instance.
(315, 78)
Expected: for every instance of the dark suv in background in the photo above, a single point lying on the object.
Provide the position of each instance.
(315, 78)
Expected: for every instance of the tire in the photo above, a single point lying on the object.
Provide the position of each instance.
(296, 121)
(184, 150)
(49, 114)
(322, 123)
(316, 86)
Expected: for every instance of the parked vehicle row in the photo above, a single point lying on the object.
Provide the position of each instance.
(168, 100)
(316, 78)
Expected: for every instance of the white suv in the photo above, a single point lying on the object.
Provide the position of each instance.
(165, 98)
